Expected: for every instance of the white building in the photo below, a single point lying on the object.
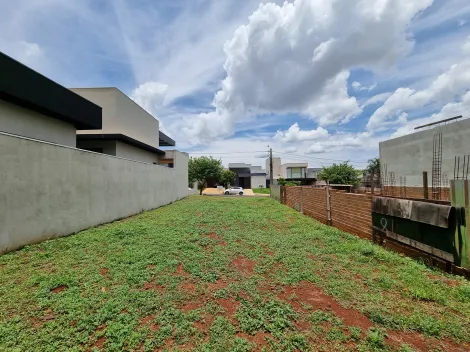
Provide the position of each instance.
(292, 171)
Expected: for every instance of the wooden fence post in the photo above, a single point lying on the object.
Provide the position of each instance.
(328, 204)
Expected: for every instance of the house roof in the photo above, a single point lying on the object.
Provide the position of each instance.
(20, 85)
(164, 140)
(122, 138)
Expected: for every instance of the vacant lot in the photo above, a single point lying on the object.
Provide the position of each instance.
(223, 274)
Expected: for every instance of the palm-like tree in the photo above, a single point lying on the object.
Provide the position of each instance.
(373, 169)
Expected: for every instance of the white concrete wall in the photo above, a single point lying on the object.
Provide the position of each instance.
(121, 115)
(15, 119)
(277, 168)
(256, 181)
(284, 167)
(410, 155)
(49, 191)
(124, 150)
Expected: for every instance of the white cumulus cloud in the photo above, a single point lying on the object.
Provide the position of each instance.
(294, 134)
(454, 82)
(315, 149)
(150, 95)
(296, 57)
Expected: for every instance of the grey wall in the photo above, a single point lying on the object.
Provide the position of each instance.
(256, 181)
(109, 147)
(49, 191)
(124, 150)
(410, 155)
(18, 120)
(121, 115)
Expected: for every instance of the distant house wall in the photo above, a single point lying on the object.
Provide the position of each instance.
(27, 123)
(124, 150)
(54, 190)
(412, 154)
(257, 181)
(122, 115)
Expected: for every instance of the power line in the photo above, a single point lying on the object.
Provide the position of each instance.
(290, 155)
(312, 157)
(209, 153)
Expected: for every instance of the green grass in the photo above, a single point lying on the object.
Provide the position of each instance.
(261, 190)
(215, 274)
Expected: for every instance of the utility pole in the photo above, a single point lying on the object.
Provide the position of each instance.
(271, 178)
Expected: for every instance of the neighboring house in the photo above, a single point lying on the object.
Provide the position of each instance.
(128, 130)
(33, 106)
(410, 155)
(248, 176)
(49, 187)
(292, 172)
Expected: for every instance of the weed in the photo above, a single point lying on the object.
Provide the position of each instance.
(158, 281)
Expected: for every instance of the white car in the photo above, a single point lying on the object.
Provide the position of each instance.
(234, 190)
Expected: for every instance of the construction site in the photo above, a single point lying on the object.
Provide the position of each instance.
(419, 204)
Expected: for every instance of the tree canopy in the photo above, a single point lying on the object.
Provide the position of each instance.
(203, 170)
(343, 173)
(227, 177)
(373, 167)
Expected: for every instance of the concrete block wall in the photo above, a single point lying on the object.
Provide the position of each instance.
(257, 181)
(48, 190)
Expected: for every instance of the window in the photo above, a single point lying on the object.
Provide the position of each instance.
(296, 172)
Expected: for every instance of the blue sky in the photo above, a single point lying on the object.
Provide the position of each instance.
(323, 80)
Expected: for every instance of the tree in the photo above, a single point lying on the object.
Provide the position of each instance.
(343, 174)
(203, 170)
(373, 167)
(227, 177)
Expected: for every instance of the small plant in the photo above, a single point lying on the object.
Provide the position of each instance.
(355, 332)
(376, 338)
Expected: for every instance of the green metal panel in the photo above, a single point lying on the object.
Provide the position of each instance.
(433, 236)
(459, 195)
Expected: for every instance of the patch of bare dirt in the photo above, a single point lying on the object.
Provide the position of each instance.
(216, 286)
(151, 286)
(104, 272)
(260, 338)
(59, 289)
(188, 287)
(204, 324)
(98, 344)
(244, 265)
(423, 344)
(151, 266)
(305, 293)
(180, 271)
(229, 304)
(148, 320)
(213, 236)
(448, 282)
(189, 306)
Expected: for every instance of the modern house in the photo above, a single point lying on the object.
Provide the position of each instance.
(33, 106)
(410, 155)
(51, 188)
(128, 130)
(248, 176)
(292, 172)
